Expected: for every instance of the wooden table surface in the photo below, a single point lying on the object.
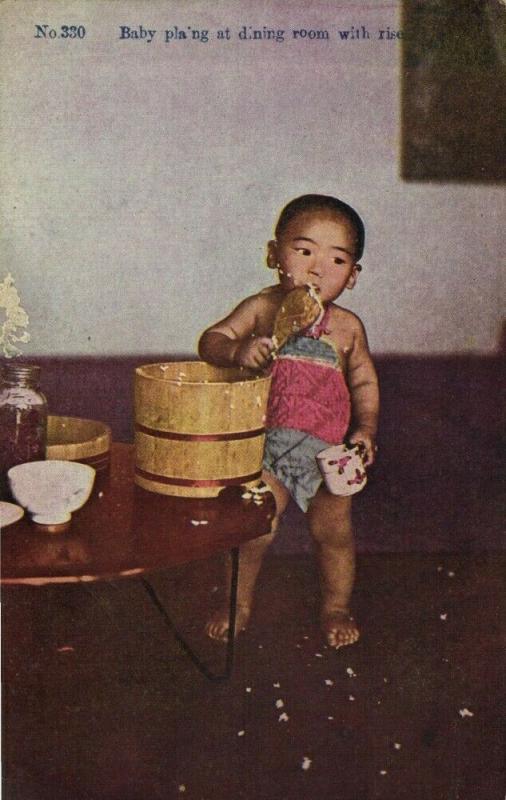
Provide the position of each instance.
(124, 530)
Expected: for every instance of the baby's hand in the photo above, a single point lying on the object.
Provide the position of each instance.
(254, 353)
(368, 441)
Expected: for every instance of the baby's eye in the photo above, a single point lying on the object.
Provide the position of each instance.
(339, 261)
(303, 251)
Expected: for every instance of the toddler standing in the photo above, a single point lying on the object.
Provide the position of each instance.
(324, 388)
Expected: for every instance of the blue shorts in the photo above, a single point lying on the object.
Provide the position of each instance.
(290, 456)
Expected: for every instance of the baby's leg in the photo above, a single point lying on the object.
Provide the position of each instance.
(251, 556)
(330, 525)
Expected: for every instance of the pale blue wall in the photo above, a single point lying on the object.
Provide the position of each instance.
(142, 180)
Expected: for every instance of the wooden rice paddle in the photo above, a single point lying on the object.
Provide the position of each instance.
(299, 310)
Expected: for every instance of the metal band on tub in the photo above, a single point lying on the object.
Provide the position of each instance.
(98, 462)
(199, 437)
(196, 483)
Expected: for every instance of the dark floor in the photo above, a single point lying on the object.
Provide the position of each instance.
(99, 703)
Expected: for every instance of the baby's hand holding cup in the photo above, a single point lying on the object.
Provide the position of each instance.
(366, 443)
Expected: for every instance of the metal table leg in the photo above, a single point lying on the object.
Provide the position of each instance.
(229, 658)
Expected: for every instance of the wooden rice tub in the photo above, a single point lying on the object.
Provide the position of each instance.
(77, 439)
(198, 428)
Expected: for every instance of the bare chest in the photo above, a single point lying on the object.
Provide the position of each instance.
(340, 338)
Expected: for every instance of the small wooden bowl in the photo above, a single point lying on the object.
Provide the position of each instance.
(76, 439)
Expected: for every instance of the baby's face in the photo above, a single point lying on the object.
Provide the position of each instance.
(317, 249)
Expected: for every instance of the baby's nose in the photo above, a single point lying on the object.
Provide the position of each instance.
(316, 267)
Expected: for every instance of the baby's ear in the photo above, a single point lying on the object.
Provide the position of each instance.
(272, 254)
(354, 275)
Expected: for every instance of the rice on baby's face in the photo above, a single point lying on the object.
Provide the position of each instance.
(317, 250)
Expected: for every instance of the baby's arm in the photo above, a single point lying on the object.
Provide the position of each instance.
(232, 341)
(363, 387)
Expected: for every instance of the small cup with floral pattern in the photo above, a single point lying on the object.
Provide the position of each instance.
(343, 468)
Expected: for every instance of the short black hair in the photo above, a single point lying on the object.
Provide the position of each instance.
(322, 202)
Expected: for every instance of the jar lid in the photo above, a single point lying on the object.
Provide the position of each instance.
(21, 372)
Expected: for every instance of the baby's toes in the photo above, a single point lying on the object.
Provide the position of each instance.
(336, 639)
(217, 629)
(340, 630)
(341, 638)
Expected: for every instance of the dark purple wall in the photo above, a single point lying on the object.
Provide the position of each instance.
(437, 482)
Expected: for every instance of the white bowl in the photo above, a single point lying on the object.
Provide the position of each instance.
(51, 490)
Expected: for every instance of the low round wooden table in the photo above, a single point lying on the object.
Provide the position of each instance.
(125, 531)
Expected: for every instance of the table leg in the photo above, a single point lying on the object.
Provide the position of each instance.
(229, 657)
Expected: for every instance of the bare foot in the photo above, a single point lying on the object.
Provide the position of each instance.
(339, 628)
(217, 625)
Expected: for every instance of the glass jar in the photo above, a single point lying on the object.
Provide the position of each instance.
(23, 418)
